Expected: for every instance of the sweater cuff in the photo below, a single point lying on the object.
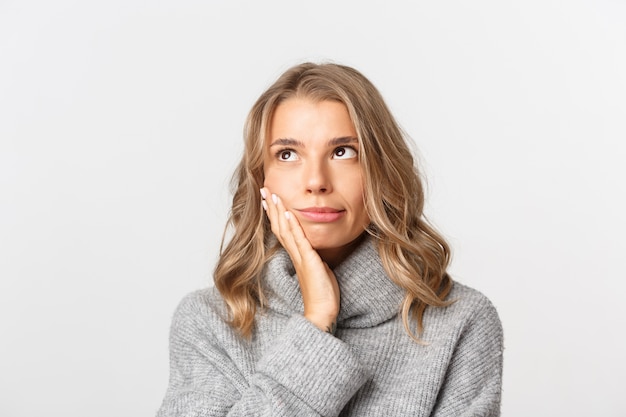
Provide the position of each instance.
(315, 366)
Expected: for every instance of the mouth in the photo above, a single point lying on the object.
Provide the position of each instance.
(321, 214)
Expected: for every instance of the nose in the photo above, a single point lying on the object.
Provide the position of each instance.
(317, 178)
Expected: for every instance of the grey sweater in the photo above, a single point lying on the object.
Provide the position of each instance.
(370, 367)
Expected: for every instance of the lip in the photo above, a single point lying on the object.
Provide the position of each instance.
(322, 214)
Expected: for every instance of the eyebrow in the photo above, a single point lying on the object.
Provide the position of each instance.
(343, 140)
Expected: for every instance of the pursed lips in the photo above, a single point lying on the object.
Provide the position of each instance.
(321, 214)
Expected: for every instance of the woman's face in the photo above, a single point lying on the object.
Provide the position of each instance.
(311, 162)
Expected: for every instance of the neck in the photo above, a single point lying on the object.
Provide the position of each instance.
(334, 256)
(368, 296)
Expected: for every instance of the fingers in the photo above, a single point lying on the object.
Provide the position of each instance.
(284, 225)
(299, 238)
(318, 285)
(269, 205)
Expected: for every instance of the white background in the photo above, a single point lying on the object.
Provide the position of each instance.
(120, 125)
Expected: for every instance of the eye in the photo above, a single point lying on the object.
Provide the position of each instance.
(286, 155)
(345, 152)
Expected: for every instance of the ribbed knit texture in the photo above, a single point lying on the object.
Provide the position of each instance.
(371, 367)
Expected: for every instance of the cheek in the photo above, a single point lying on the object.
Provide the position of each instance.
(354, 196)
(353, 190)
(276, 182)
(358, 199)
(362, 213)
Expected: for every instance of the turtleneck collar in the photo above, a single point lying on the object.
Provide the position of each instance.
(368, 296)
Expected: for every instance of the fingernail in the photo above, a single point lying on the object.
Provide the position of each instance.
(288, 215)
(275, 198)
(264, 204)
(263, 194)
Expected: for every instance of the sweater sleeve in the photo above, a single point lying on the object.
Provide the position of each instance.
(306, 372)
(472, 386)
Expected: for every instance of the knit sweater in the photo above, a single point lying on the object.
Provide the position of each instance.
(370, 367)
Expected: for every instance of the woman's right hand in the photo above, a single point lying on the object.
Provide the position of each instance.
(318, 284)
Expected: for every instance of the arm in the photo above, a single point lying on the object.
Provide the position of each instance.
(473, 381)
(318, 284)
(306, 372)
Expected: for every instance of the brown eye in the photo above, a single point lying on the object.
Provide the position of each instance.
(345, 152)
(286, 155)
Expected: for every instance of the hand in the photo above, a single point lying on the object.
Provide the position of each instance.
(318, 284)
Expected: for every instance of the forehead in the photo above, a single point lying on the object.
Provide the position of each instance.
(305, 120)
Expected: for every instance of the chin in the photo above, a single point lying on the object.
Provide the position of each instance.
(322, 242)
(329, 241)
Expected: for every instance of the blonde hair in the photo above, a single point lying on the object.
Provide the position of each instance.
(413, 254)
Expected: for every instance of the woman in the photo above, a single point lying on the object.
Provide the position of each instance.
(332, 297)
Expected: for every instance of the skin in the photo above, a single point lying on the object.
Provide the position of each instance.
(314, 196)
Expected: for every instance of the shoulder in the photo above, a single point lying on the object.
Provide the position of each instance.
(471, 302)
(205, 300)
(470, 311)
(471, 341)
(203, 310)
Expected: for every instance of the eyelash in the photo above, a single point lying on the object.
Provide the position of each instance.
(346, 147)
(280, 152)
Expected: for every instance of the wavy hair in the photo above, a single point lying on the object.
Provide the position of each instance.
(413, 254)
